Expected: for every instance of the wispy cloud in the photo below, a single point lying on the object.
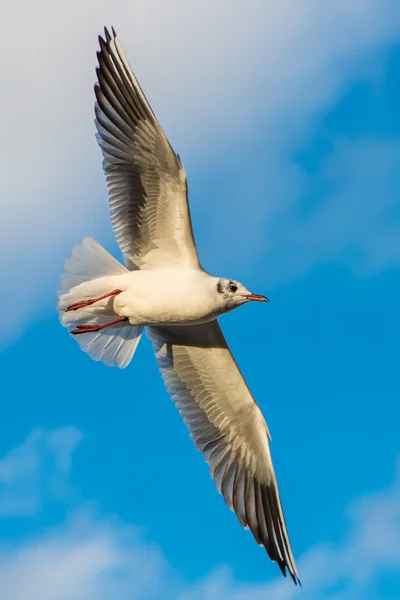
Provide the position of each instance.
(87, 556)
(214, 74)
(86, 559)
(39, 468)
(92, 557)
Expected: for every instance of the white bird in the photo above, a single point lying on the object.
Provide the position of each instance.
(105, 305)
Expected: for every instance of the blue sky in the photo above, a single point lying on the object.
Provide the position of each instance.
(287, 121)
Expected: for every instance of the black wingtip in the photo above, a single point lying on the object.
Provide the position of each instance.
(102, 43)
(295, 579)
(107, 35)
(285, 570)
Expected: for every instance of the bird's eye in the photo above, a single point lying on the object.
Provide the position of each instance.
(232, 287)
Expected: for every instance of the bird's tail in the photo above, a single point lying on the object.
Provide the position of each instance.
(88, 273)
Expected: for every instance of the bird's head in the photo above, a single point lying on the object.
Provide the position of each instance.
(232, 294)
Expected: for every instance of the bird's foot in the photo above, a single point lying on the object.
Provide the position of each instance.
(90, 328)
(83, 303)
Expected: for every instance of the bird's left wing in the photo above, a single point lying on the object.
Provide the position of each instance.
(145, 178)
(227, 426)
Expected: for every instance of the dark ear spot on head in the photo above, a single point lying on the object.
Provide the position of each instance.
(220, 289)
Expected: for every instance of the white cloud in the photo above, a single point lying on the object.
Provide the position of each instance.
(214, 72)
(92, 557)
(86, 559)
(38, 468)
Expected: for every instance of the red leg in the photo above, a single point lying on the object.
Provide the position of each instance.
(89, 328)
(84, 303)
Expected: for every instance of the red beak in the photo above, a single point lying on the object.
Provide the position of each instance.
(256, 298)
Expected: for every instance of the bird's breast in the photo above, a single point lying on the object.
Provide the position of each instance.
(165, 298)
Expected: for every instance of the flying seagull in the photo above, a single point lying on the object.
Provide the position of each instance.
(106, 305)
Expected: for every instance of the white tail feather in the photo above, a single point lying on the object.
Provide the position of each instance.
(88, 273)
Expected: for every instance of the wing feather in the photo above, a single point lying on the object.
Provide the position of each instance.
(227, 426)
(146, 180)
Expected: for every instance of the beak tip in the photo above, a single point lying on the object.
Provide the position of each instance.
(257, 298)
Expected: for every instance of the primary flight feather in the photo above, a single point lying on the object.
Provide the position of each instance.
(163, 287)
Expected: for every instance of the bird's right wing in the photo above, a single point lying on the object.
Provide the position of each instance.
(227, 426)
(146, 180)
